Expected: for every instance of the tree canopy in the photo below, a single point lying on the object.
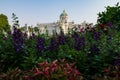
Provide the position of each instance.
(4, 25)
(111, 14)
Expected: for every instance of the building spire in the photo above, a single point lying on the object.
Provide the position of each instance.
(64, 11)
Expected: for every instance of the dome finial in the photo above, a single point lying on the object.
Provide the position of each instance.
(64, 13)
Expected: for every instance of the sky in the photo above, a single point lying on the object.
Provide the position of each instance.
(32, 12)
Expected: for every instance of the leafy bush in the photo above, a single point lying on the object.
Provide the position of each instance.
(93, 50)
(45, 71)
(14, 74)
(110, 15)
(54, 71)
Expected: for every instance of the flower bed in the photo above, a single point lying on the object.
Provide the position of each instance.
(93, 51)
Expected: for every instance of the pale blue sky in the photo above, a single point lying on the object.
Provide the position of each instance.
(45, 11)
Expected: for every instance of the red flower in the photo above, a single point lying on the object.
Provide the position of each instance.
(63, 60)
(107, 70)
(54, 66)
(53, 69)
(44, 64)
(77, 73)
(47, 70)
(55, 62)
(47, 73)
(27, 78)
(38, 71)
(82, 29)
(71, 78)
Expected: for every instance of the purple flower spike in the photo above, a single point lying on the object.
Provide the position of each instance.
(18, 40)
(40, 44)
(94, 49)
(97, 35)
(79, 43)
(53, 45)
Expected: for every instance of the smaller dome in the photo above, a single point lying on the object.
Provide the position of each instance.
(64, 14)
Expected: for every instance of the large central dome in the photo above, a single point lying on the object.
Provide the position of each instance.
(63, 14)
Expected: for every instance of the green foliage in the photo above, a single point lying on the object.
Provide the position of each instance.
(14, 74)
(92, 50)
(110, 15)
(4, 25)
(109, 73)
(15, 20)
(54, 71)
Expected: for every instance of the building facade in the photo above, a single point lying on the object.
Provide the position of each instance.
(63, 23)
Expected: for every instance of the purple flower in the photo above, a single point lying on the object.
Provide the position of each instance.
(94, 49)
(75, 35)
(53, 45)
(40, 44)
(61, 39)
(18, 40)
(117, 62)
(110, 24)
(79, 43)
(97, 35)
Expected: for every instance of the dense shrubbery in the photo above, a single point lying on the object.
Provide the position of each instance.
(111, 14)
(45, 71)
(54, 71)
(93, 50)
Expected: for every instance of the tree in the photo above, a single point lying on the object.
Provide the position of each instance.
(4, 25)
(112, 14)
(15, 20)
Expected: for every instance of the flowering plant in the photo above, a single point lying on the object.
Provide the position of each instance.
(54, 71)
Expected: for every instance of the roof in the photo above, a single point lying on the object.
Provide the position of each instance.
(64, 14)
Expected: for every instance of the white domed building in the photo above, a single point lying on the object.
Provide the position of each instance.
(63, 23)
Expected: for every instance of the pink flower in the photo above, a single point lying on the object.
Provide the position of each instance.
(44, 64)
(27, 78)
(71, 78)
(69, 72)
(82, 29)
(77, 73)
(55, 61)
(63, 60)
(38, 71)
(107, 70)
(68, 66)
(53, 69)
(47, 72)
(54, 64)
